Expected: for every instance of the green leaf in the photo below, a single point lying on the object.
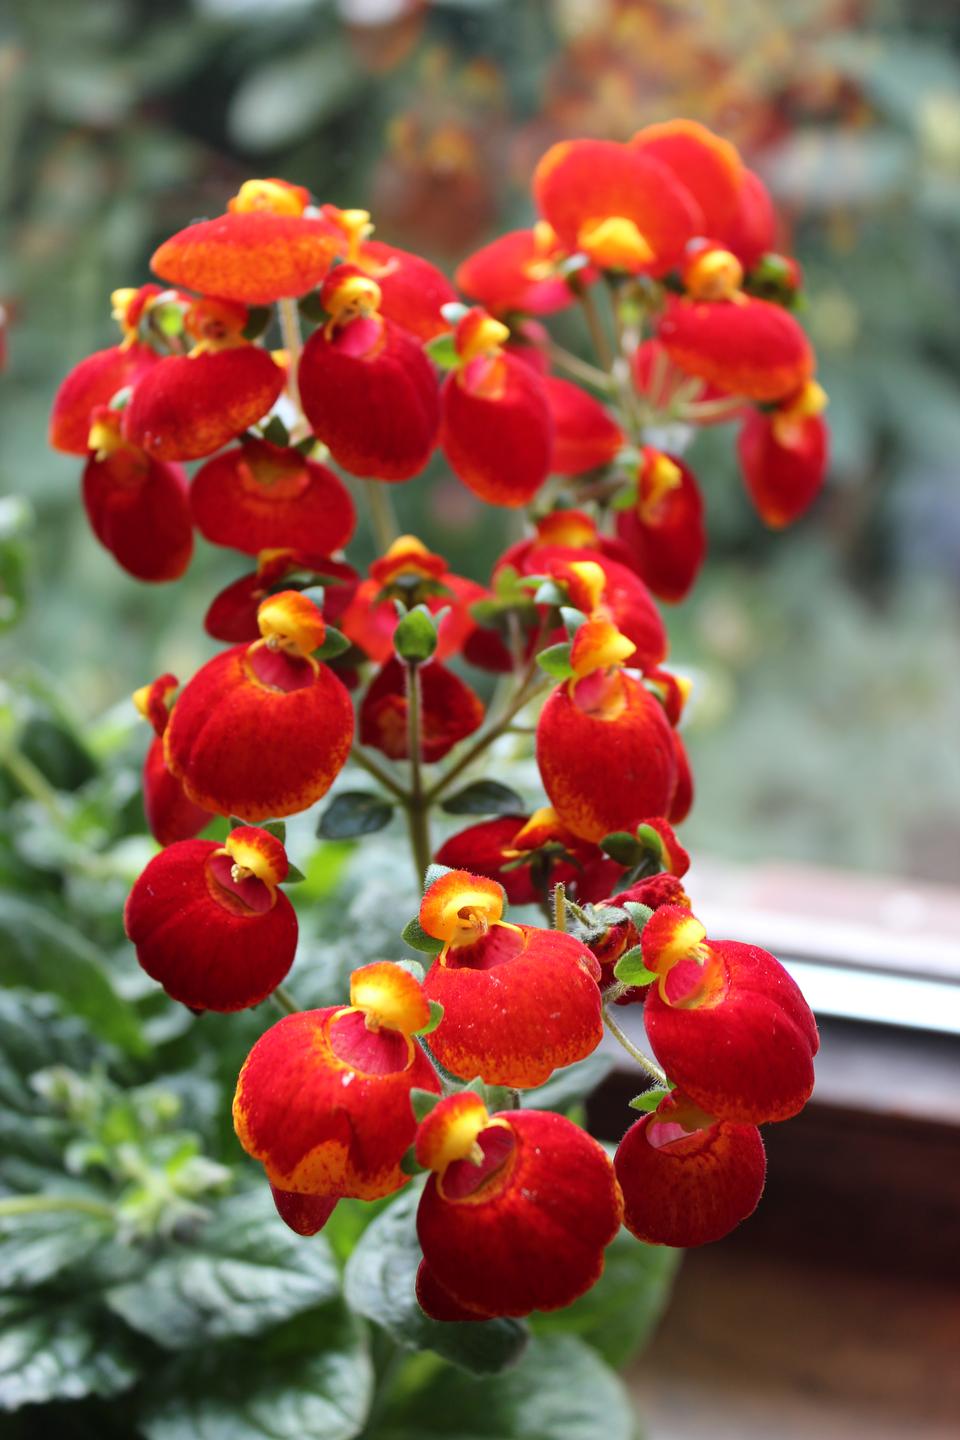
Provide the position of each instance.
(61, 1352)
(442, 350)
(433, 873)
(353, 813)
(276, 432)
(276, 828)
(484, 797)
(630, 969)
(414, 935)
(648, 1100)
(415, 637)
(245, 1273)
(560, 1390)
(422, 1102)
(436, 1015)
(379, 1283)
(556, 661)
(618, 1316)
(334, 643)
(311, 1377)
(569, 1086)
(572, 619)
(37, 1246)
(40, 952)
(293, 876)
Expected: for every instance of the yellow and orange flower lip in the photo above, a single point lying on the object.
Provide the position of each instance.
(459, 908)
(389, 997)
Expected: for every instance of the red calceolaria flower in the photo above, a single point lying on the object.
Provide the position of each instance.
(528, 855)
(137, 506)
(366, 385)
(266, 497)
(209, 923)
(520, 271)
(605, 748)
(687, 1178)
(585, 436)
(410, 572)
(783, 456)
(232, 614)
(170, 814)
(727, 1022)
(516, 1213)
(187, 406)
(449, 711)
(621, 208)
(264, 249)
(496, 428)
(546, 982)
(263, 729)
(741, 345)
(323, 1099)
(664, 530)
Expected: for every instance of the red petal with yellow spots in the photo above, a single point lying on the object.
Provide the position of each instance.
(450, 711)
(524, 1226)
(93, 383)
(585, 436)
(139, 511)
(324, 1103)
(687, 1189)
(496, 429)
(708, 166)
(214, 942)
(304, 1214)
(733, 1032)
(782, 479)
(253, 257)
(170, 814)
(606, 755)
(189, 405)
(743, 346)
(264, 497)
(665, 534)
(257, 733)
(510, 274)
(232, 615)
(518, 1003)
(622, 208)
(370, 394)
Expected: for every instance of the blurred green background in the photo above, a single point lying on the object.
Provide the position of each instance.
(827, 658)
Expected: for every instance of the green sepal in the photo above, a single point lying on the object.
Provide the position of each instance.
(555, 660)
(624, 499)
(550, 593)
(412, 967)
(453, 311)
(433, 873)
(334, 643)
(276, 828)
(572, 619)
(293, 876)
(354, 813)
(409, 1163)
(436, 1015)
(495, 1097)
(442, 350)
(630, 969)
(624, 847)
(415, 638)
(414, 935)
(316, 594)
(484, 797)
(422, 1102)
(276, 432)
(310, 307)
(648, 1100)
(638, 913)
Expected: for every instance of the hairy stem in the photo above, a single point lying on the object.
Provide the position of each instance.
(383, 522)
(589, 374)
(372, 767)
(598, 336)
(292, 343)
(559, 907)
(525, 694)
(52, 1204)
(418, 805)
(644, 1061)
(284, 1001)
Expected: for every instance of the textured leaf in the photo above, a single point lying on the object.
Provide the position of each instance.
(36, 1247)
(61, 1352)
(630, 969)
(354, 813)
(379, 1284)
(311, 1379)
(484, 797)
(245, 1273)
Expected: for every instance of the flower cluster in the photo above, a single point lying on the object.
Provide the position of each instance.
(425, 1072)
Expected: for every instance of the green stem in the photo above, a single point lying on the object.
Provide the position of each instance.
(589, 374)
(724, 409)
(383, 522)
(32, 781)
(598, 335)
(644, 1061)
(523, 697)
(418, 806)
(559, 907)
(366, 762)
(53, 1204)
(292, 343)
(284, 1001)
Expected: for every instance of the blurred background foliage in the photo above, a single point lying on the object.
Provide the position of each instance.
(829, 695)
